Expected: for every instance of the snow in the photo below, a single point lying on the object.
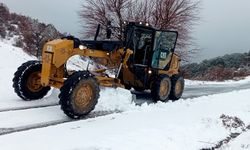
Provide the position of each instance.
(189, 124)
(10, 58)
(241, 143)
(111, 100)
(196, 82)
(77, 63)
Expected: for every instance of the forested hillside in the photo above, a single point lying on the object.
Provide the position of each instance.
(27, 33)
(227, 67)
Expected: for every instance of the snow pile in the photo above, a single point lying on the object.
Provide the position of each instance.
(118, 99)
(77, 63)
(190, 124)
(80, 63)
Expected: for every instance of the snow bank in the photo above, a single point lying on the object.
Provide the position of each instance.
(10, 59)
(190, 124)
(118, 99)
(196, 82)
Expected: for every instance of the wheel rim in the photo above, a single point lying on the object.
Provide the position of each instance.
(178, 87)
(83, 96)
(34, 82)
(164, 88)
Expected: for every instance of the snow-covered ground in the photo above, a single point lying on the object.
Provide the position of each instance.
(190, 124)
(10, 59)
(195, 82)
(242, 142)
(186, 124)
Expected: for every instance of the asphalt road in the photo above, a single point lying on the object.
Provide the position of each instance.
(192, 91)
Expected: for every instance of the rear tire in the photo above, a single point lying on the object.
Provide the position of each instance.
(161, 87)
(26, 81)
(79, 94)
(128, 87)
(177, 87)
(139, 89)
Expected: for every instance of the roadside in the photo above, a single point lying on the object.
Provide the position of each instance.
(186, 124)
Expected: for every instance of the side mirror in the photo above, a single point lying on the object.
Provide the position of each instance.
(108, 30)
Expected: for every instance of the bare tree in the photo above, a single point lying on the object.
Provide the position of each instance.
(36, 34)
(180, 15)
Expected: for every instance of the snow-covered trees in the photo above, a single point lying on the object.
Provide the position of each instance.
(4, 16)
(37, 34)
(220, 68)
(28, 33)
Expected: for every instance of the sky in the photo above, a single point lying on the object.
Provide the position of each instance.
(224, 27)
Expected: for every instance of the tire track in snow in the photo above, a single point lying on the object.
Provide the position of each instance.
(27, 107)
(5, 131)
(142, 98)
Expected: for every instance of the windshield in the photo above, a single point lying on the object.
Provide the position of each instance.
(164, 45)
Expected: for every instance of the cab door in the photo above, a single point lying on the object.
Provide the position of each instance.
(164, 45)
(142, 47)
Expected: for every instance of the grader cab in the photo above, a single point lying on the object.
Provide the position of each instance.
(145, 60)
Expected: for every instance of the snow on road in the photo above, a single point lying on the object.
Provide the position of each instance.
(190, 124)
(111, 100)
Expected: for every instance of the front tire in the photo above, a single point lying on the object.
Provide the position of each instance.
(161, 87)
(139, 89)
(177, 87)
(79, 94)
(26, 81)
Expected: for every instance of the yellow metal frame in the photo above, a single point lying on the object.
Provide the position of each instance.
(57, 52)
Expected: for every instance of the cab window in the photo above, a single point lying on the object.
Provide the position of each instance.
(164, 45)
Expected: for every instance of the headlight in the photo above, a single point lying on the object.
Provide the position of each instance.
(81, 47)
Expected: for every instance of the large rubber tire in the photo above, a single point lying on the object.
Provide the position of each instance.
(161, 87)
(177, 87)
(128, 87)
(79, 94)
(22, 81)
(139, 89)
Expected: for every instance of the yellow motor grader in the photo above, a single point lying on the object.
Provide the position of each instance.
(144, 60)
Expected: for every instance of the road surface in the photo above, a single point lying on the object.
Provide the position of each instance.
(192, 91)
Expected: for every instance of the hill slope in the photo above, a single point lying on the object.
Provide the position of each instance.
(10, 58)
(220, 68)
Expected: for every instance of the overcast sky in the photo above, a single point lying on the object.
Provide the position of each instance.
(224, 26)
